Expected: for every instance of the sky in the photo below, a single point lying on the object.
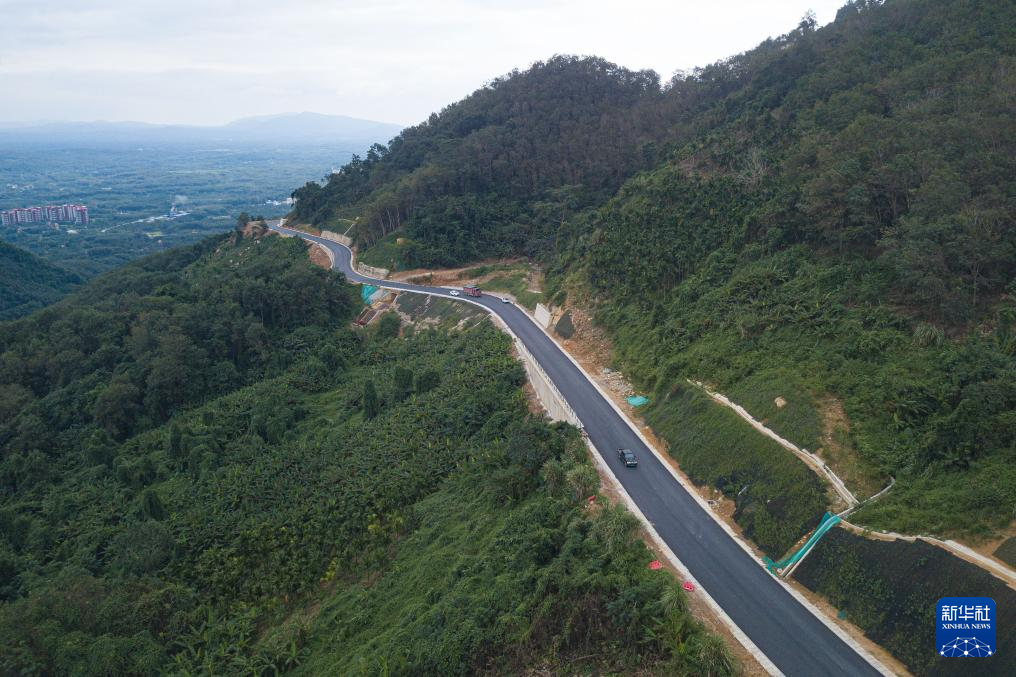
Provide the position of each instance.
(209, 62)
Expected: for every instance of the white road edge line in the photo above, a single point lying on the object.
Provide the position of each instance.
(630, 503)
(815, 611)
(672, 557)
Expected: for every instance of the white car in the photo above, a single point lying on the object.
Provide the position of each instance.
(455, 292)
(505, 301)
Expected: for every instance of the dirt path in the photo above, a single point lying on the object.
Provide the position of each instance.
(319, 257)
(446, 276)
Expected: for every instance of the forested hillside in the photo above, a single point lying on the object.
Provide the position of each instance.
(840, 224)
(139, 344)
(496, 172)
(827, 217)
(205, 470)
(28, 283)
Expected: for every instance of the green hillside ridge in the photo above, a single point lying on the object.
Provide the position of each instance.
(206, 470)
(496, 172)
(28, 283)
(841, 256)
(827, 217)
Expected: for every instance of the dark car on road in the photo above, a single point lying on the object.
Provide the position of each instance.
(628, 457)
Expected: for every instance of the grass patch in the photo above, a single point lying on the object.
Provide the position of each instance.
(386, 252)
(818, 425)
(340, 221)
(798, 420)
(486, 269)
(1007, 551)
(778, 497)
(305, 228)
(961, 502)
(515, 284)
(440, 313)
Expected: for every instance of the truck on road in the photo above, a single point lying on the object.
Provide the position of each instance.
(472, 290)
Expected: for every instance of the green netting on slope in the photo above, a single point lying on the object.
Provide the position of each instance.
(637, 400)
(366, 291)
(827, 523)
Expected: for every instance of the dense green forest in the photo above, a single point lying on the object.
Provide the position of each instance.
(826, 215)
(145, 341)
(28, 283)
(206, 470)
(495, 173)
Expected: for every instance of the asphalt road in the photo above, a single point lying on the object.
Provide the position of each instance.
(791, 637)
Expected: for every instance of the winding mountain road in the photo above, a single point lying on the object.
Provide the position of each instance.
(792, 637)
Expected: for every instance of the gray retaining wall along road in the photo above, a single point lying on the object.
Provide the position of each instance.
(335, 237)
(371, 271)
(553, 402)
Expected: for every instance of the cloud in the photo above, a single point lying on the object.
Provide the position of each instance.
(204, 61)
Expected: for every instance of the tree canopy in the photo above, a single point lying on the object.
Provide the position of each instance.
(28, 283)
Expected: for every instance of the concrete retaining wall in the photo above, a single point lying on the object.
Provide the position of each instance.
(371, 271)
(542, 315)
(335, 237)
(553, 401)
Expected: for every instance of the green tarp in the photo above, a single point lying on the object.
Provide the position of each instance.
(637, 400)
(827, 523)
(366, 291)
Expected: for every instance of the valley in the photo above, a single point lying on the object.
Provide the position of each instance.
(151, 188)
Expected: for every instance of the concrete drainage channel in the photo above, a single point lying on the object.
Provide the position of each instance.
(1000, 571)
(810, 459)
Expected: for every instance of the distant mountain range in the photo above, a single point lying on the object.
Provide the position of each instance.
(283, 129)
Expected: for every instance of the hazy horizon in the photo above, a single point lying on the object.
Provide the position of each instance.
(193, 63)
(284, 114)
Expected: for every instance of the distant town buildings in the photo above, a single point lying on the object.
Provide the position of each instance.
(50, 214)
